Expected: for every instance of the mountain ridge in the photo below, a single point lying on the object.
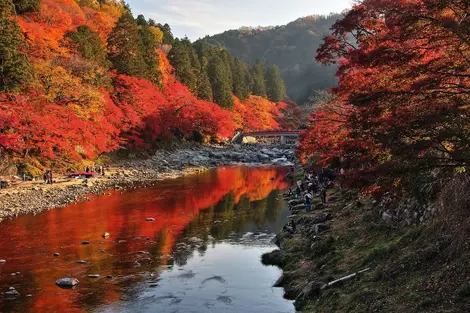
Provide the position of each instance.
(292, 47)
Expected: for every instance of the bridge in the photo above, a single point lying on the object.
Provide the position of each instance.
(284, 137)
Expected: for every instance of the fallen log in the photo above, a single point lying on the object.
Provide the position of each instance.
(342, 279)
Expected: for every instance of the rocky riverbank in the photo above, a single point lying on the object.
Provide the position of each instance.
(34, 197)
(348, 256)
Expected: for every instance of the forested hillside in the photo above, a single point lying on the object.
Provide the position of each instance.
(82, 78)
(291, 47)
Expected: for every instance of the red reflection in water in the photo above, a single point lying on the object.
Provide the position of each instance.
(28, 243)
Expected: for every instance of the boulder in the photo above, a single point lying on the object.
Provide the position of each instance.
(268, 152)
(295, 202)
(94, 275)
(387, 217)
(2, 261)
(279, 161)
(11, 293)
(150, 219)
(105, 235)
(67, 282)
(298, 207)
(321, 228)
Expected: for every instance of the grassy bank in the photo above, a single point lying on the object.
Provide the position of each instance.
(413, 268)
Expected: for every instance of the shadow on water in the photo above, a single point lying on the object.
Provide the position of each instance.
(202, 252)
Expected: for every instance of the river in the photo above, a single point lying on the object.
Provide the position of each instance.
(200, 254)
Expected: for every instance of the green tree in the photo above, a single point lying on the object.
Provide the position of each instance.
(15, 68)
(204, 88)
(275, 88)
(141, 21)
(125, 47)
(151, 58)
(167, 34)
(257, 74)
(227, 60)
(241, 79)
(180, 58)
(221, 87)
(89, 45)
(25, 6)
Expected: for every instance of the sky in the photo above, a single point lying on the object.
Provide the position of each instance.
(197, 18)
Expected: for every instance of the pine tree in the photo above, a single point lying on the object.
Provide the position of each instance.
(151, 58)
(89, 45)
(227, 60)
(15, 68)
(275, 87)
(167, 34)
(221, 87)
(141, 21)
(241, 79)
(125, 48)
(204, 89)
(257, 75)
(25, 6)
(180, 59)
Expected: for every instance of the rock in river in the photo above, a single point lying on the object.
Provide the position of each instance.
(94, 275)
(85, 242)
(150, 219)
(67, 282)
(105, 235)
(2, 261)
(11, 293)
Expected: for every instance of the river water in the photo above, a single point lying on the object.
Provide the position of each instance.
(201, 254)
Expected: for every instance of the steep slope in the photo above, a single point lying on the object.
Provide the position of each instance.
(83, 78)
(292, 47)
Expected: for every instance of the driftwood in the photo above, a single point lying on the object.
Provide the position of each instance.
(342, 279)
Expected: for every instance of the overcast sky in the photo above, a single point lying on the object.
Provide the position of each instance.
(197, 18)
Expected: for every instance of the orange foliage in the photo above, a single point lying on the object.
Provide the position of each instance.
(255, 113)
(68, 118)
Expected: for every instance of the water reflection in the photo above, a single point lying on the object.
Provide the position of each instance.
(199, 221)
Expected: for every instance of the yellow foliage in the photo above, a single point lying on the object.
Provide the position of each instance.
(157, 33)
(59, 86)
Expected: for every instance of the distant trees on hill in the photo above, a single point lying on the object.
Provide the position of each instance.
(214, 74)
(291, 47)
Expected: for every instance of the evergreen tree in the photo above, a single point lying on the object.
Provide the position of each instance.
(275, 88)
(167, 34)
(141, 21)
(257, 74)
(241, 79)
(25, 6)
(180, 59)
(151, 58)
(204, 89)
(125, 48)
(89, 45)
(15, 68)
(221, 87)
(227, 60)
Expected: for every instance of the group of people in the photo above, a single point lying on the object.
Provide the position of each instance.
(95, 168)
(47, 176)
(313, 185)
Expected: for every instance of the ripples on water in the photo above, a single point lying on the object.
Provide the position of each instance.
(201, 254)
